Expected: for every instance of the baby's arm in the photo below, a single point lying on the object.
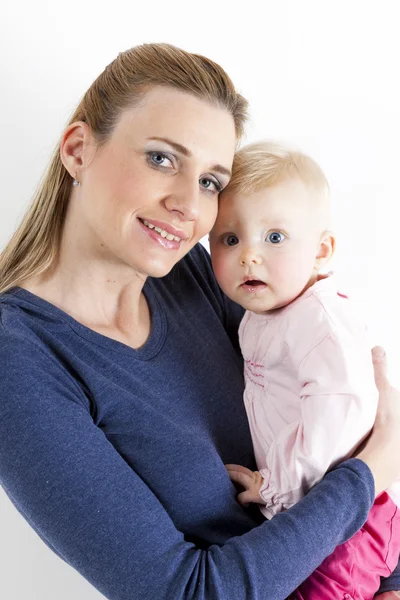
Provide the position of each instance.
(338, 405)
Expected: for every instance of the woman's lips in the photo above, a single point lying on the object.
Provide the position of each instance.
(164, 229)
(162, 240)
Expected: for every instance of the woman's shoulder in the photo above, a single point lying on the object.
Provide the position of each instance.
(22, 317)
(29, 364)
(21, 348)
(32, 335)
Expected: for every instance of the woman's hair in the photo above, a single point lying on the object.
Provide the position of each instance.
(268, 163)
(35, 244)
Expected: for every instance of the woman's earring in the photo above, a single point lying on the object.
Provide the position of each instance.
(75, 183)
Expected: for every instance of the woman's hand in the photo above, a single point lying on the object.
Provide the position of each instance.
(388, 596)
(381, 451)
(251, 481)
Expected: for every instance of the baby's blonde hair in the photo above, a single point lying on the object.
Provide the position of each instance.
(268, 163)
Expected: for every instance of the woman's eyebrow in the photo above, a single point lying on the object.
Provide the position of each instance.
(182, 149)
(222, 170)
(186, 152)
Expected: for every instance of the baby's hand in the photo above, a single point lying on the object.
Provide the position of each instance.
(251, 481)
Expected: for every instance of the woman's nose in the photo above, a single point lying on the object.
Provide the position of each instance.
(249, 257)
(184, 199)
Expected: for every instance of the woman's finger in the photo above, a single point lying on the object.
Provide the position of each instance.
(379, 360)
(381, 450)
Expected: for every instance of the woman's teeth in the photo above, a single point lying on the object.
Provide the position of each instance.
(162, 232)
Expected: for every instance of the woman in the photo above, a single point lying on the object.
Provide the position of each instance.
(120, 383)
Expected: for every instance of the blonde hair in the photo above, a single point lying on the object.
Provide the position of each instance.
(34, 246)
(267, 163)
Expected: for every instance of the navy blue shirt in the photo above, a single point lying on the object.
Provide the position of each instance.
(116, 456)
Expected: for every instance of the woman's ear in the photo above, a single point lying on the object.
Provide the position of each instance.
(326, 249)
(74, 147)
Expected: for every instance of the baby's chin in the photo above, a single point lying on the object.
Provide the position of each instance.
(262, 301)
(257, 302)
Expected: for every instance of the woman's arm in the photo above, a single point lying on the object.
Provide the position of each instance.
(390, 587)
(83, 499)
(384, 433)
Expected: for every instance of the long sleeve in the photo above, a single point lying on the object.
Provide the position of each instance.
(99, 515)
(337, 409)
(391, 583)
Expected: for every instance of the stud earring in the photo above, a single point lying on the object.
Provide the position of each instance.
(75, 183)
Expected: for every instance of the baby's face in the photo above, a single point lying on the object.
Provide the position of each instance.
(264, 245)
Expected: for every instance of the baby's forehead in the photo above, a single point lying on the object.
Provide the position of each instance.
(287, 204)
(282, 198)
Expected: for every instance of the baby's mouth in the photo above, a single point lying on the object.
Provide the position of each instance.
(253, 286)
(253, 282)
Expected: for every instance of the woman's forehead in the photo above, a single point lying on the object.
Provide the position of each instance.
(193, 123)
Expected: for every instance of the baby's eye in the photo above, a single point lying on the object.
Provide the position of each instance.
(275, 237)
(231, 240)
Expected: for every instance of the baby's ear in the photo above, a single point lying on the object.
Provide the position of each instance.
(326, 248)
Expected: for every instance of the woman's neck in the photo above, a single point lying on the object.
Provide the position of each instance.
(97, 292)
(118, 312)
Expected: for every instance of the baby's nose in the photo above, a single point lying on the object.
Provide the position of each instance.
(250, 256)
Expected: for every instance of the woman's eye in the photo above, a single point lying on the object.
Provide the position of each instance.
(160, 159)
(275, 237)
(210, 184)
(231, 240)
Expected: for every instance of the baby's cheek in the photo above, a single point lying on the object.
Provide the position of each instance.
(222, 268)
(292, 273)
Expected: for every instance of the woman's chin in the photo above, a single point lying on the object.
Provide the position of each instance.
(158, 269)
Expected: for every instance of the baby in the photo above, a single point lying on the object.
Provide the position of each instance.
(309, 389)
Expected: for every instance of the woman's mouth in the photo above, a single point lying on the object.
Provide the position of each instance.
(166, 238)
(162, 232)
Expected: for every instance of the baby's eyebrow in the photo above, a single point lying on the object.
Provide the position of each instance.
(277, 222)
(231, 224)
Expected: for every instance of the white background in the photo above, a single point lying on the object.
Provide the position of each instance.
(320, 74)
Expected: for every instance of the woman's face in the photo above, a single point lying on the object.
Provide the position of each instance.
(151, 192)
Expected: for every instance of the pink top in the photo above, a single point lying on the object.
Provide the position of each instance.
(309, 393)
